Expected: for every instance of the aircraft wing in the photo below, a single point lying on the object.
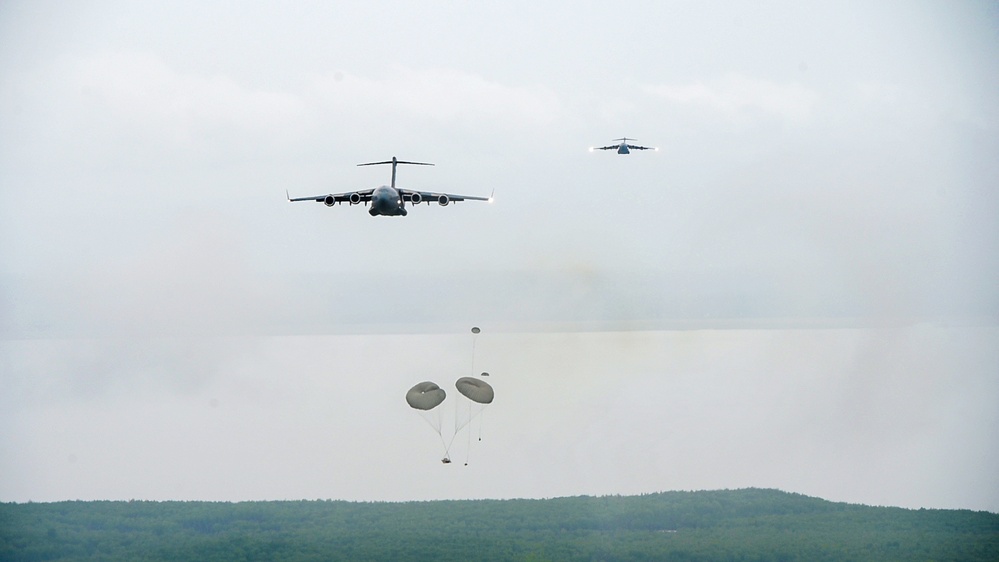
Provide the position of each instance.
(433, 196)
(361, 196)
(636, 147)
(611, 147)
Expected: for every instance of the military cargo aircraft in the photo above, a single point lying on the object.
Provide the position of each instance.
(623, 147)
(389, 200)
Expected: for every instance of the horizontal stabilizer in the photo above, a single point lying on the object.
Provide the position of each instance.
(396, 162)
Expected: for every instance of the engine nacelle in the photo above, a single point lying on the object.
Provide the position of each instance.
(443, 200)
(355, 198)
(416, 198)
(329, 200)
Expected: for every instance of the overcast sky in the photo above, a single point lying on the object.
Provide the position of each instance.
(798, 290)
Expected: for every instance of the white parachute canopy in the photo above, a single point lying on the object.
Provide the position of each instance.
(425, 397)
(475, 390)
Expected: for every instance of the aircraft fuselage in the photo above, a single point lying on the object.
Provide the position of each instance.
(386, 200)
(623, 149)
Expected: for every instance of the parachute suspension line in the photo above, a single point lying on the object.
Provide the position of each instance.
(447, 452)
(474, 390)
(482, 421)
(468, 444)
(475, 336)
(433, 419)
(476, 418)
(463, 416)
(457, 427)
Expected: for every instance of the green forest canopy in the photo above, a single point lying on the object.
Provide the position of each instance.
(750, 524)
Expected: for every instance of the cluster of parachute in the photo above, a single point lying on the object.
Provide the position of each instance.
(427, 395)
(426, 398)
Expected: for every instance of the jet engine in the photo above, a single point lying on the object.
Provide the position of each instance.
(355, 198)
(329, 200)
(416, 198)
(443, 200)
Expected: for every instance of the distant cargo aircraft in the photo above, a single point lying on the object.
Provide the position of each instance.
(623, 147)
(389, 200)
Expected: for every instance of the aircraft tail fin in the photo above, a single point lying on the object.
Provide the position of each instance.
(395, 161)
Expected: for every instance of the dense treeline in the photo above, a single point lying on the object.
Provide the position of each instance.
(748, 525)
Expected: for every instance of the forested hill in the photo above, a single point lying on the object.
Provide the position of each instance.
(750, 524)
